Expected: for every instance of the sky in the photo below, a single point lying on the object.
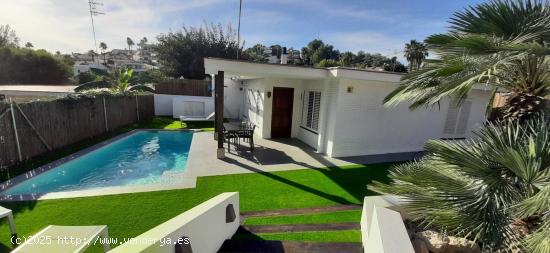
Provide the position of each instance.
(350, 25)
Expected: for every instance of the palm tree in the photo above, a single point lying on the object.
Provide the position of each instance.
(92, 53)
(415, 53)
(142, 42)
(130, 43)
(500, 43)
(120, 81)
(103, 47)
(494, 190)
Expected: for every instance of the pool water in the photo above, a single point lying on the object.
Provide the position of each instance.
(141, 158)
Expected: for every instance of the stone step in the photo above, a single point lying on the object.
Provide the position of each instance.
(298, 211)
(259, 246)
(298, 227)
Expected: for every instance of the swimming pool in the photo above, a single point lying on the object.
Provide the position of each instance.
(141, 158)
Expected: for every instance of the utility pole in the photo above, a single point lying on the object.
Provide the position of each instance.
(239, 29)
(94, 12)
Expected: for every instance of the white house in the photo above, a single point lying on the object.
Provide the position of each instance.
(339, 111)
(84, 66)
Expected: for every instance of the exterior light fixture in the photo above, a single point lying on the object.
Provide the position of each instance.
(269, 94)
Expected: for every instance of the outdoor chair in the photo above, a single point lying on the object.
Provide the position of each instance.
(7, 213)
(61, 239)
(228, 136)
(248, 134)
(187, 118)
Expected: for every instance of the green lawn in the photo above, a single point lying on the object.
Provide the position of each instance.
(318, 218)
(312, 236)
(129, 215)
(170, 123)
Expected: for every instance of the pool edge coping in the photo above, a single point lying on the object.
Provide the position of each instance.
(5, 185)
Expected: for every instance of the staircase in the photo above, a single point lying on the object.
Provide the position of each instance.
(249, 239)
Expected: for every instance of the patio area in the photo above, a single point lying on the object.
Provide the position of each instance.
(268, 155)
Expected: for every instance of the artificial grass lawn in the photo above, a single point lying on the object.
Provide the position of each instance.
(317, 218)
(128, 215)
(312, 236)
(170, 123)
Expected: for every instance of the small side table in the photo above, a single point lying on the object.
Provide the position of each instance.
(4, 212)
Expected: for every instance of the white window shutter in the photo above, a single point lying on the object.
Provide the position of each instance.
(450, 121)
(316, 106)
(463, 117)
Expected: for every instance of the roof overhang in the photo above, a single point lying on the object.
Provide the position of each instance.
(247, 70)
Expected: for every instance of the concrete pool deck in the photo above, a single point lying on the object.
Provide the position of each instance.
(268, 155)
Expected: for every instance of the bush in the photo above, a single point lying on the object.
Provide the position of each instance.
(27, 66)
(85, 77)
(327, 63)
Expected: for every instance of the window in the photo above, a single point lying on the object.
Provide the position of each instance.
(311, 109)
(457, 118)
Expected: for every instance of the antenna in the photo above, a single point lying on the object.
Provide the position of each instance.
(94, 12)
(239, 29)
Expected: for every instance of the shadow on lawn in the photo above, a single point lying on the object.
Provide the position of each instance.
(352, 180)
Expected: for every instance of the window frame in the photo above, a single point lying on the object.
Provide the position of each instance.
(305, 110)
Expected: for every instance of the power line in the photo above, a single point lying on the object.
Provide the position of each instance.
(94, 12)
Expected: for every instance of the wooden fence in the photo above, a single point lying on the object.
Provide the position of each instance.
(43, 126)
(186, 87)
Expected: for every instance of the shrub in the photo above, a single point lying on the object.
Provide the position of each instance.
(85, 77)
(494, 189)
(22, 65)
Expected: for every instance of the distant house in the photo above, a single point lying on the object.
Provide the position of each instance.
(24, 93)
(85, 66)
(339, 111)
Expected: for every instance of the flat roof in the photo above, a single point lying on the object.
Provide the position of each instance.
(243, 68)
(39, 88)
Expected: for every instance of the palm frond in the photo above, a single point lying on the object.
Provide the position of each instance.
(478, 188)
(142, 87)
(93, 85)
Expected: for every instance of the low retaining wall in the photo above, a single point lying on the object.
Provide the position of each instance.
(382, 227)
(205, 228)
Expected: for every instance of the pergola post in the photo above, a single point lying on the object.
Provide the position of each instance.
(218, 105)
(214, 81)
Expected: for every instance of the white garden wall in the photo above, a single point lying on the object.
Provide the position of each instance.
(175, 105)
(205, 225)
(382, 227)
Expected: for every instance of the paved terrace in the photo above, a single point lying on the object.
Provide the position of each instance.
(268, 155)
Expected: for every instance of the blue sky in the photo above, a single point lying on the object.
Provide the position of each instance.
(373, 26)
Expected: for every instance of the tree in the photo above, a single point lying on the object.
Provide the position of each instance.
(347, 59)
(317, 51)
(22, 65)
(493, 189)
(255, 53)
(142, 43)
(103, 47)
(120, 81)
(182, 53)
(394, 65)
(130, 43)
(92, 53)
(327, 63)
(8, 38)
(29, 45)
(500, 43)
(415, 52)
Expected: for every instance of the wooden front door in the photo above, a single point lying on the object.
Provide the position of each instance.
(281, 116)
